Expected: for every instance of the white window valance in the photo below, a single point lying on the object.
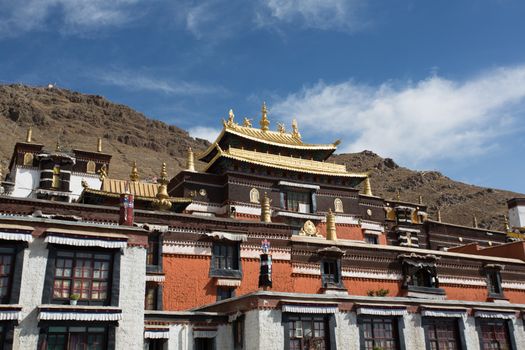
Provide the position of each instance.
(86, 242)
(495, 314)
(151, 334)
(155, 278)
(444, 313)
(227, 282)
(298, 185)
(14, 236)
(306, 309)
(238, 237)
(79, 316)
(9, 315)
(205, 334)
(377, 311)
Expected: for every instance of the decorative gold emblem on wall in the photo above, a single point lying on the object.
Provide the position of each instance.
(309, 229)
(338, 205)
(266, 212)
(91, 167)
(254, 195)
(28, 159)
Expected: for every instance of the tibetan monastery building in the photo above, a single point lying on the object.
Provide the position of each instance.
(269, 246)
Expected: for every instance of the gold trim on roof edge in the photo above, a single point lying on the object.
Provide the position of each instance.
(284, 162)
(116, 195)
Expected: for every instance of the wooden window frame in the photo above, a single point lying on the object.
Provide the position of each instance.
(507, 329)
(433, 322)
(289, 322)
(396, 337)
(226, 260)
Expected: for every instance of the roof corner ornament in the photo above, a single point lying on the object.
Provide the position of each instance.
(281, 128)
(265, 122)
(134, 175)
(295, 130)
(102, 173)
(29, 135)
(162, 201)
(99, 145)
(247, 122)
(506, 222)
(190, 163)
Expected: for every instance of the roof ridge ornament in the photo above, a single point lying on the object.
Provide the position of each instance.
(265, 122)
(162, 201)
(247, 123)
(368, 186)
(99, 145)
(281, 128)
(134, 175)
(190, 164)
(295, 130)
(29, 135)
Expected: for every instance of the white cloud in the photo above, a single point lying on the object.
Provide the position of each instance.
(141, 82)
(69, 15)
(326, 14)
(204, 132)
(435, 118)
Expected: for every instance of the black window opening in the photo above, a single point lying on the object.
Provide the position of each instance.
(226, 260)
(6, 335)
(379, 333)
(155, 344)
(298, 201)
(494, 334)
(153, 251)
(225, 293)
(442, 333)
(238, 333)
(307, 332)
(204, 343)
(404, 215)
(371, 239)
(76, 338)
(151, 297)
(422, 278)
(7, 264)
(83, 274)
(495, 289)
(331, 273)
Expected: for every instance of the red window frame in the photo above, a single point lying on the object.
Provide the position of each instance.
(380, 332)
(442, 333)
(87, 273)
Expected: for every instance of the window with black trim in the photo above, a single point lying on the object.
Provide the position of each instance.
(6, 335)
(371, 239)
(152, 255)
(494, 334)
(76, 338)
(331, 272)
(155, 344)
(85, 273)
(7, 264)
(225, 293)
(442, 333)
(226, 260)
(379, 333)
(238, 333)
(307, 332)
(494, 283)
(150, 299)
(298, 201)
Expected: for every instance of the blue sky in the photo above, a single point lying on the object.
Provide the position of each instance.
(433, 84)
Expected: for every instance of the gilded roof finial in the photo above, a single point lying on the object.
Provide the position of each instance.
(134, 176)
(265, 123)
(331, 230)
(57, 147)
(29, 135)
(368, 187)
(231, 116)
(439, 215)
(99, 144)
(506, 220)
(398, 195)
(475, 221)
(420, 199)
(247, 122)
(281, 128)
(190, 164)
(162, 201)
(295, 130)
(266, 213)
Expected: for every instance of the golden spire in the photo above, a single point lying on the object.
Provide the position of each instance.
(295, 130)
(265, 123)
(507, 226)
(420, 199)
(99, 144)
(475, 221)
(439, 215)
(162, 201)
(102, 173)
(134, 175)
(29, 135)
(190, 163)
(331, 231)
(398, 195)
(368, 187)
(57, 147)
(266, 214)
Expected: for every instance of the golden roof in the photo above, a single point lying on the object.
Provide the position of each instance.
(284, 162)
(136, 188)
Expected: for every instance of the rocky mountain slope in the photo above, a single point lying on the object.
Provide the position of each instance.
(76, 120)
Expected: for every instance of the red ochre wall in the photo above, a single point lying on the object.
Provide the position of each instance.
(188, 284)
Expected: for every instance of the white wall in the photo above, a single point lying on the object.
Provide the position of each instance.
(517, 216)
(130, 332)
(346, 331)
(26, 180)
(75, 184)
(33, 276)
